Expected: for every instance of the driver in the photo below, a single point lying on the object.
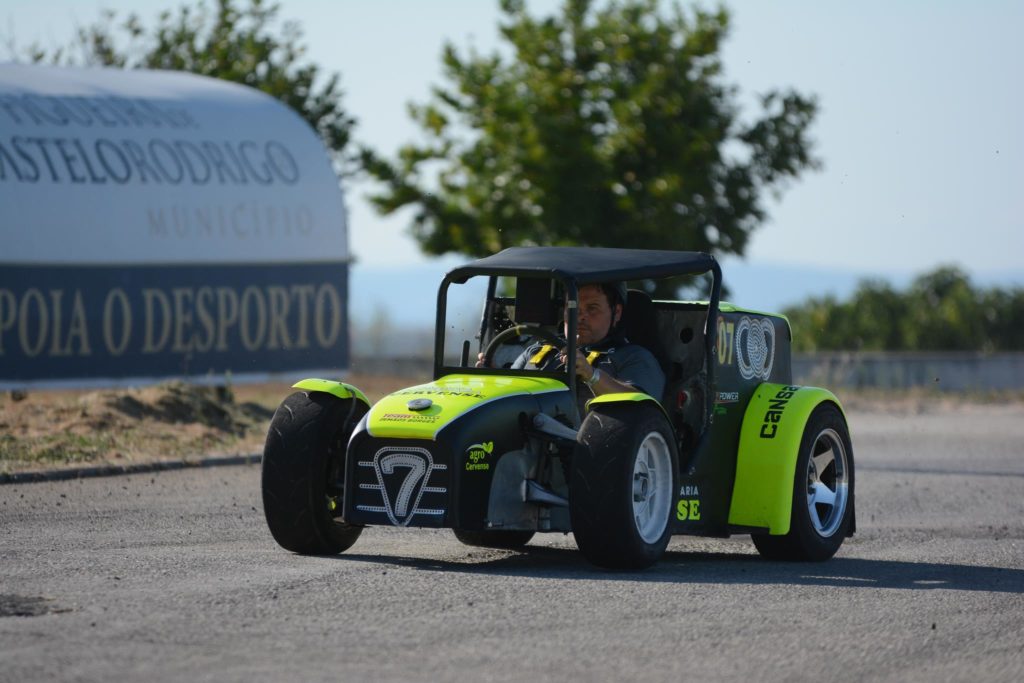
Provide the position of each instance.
(606, 362)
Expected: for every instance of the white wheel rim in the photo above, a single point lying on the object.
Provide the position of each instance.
(827, 482)
(652, 487)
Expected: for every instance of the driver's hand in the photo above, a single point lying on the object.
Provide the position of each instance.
(480, 360)
(583, 369)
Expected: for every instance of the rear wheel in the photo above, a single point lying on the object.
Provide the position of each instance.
(303, 473)
(623, 482)
(822, 512)
(504, 540)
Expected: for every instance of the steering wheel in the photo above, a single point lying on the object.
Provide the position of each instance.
(518, 331)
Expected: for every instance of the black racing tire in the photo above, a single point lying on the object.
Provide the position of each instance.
(625, 474)
(817, 538)
(303, 467)
(502, 540)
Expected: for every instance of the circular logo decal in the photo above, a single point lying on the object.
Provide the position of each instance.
(755, 347)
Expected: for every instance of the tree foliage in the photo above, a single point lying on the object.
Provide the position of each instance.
(608, 125)
(229, 42)
(941, 311)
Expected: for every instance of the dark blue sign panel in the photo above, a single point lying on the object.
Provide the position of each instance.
(77, 322)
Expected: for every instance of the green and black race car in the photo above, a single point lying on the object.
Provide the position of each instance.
(499, 454)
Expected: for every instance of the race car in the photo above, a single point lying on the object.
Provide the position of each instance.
(499, 453)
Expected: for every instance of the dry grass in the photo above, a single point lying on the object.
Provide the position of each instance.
(68, 428)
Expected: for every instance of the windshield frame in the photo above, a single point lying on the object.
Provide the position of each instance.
(441, 369)
(571, 285)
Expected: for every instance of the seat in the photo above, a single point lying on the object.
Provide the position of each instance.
(640, 325)
(684, 394)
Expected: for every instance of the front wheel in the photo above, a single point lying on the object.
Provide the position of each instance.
(822, 512)
(303, 472)
(623, 481)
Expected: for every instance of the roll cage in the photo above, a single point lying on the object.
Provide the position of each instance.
(573, 267)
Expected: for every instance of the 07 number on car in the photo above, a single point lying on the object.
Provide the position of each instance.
(726, 335)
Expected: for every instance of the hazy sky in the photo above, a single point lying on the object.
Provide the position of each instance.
(921, 125)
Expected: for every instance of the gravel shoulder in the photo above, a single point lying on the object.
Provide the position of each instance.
(121, 429)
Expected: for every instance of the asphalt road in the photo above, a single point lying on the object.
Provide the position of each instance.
(173, 576)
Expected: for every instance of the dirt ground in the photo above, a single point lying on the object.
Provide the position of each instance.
(53, 429)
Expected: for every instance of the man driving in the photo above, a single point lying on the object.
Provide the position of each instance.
(606, 362)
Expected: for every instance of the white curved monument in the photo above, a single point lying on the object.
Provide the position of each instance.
(161, 224)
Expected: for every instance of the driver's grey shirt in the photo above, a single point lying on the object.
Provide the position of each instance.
(628, 363)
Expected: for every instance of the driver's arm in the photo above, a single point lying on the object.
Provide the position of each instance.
(639, 374)
(606, 382)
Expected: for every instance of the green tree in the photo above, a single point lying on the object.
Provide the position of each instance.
(877, 318)
(608, 125)
(945, 313)
(1003, 315)
(228, 42)
(940, 311)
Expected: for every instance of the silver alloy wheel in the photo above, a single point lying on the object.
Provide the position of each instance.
(827, 482)
(652, 487)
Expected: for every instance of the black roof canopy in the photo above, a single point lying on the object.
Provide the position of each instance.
(587, 264)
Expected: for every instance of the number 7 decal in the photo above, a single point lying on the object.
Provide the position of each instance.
(402, 478)
(417, 468)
